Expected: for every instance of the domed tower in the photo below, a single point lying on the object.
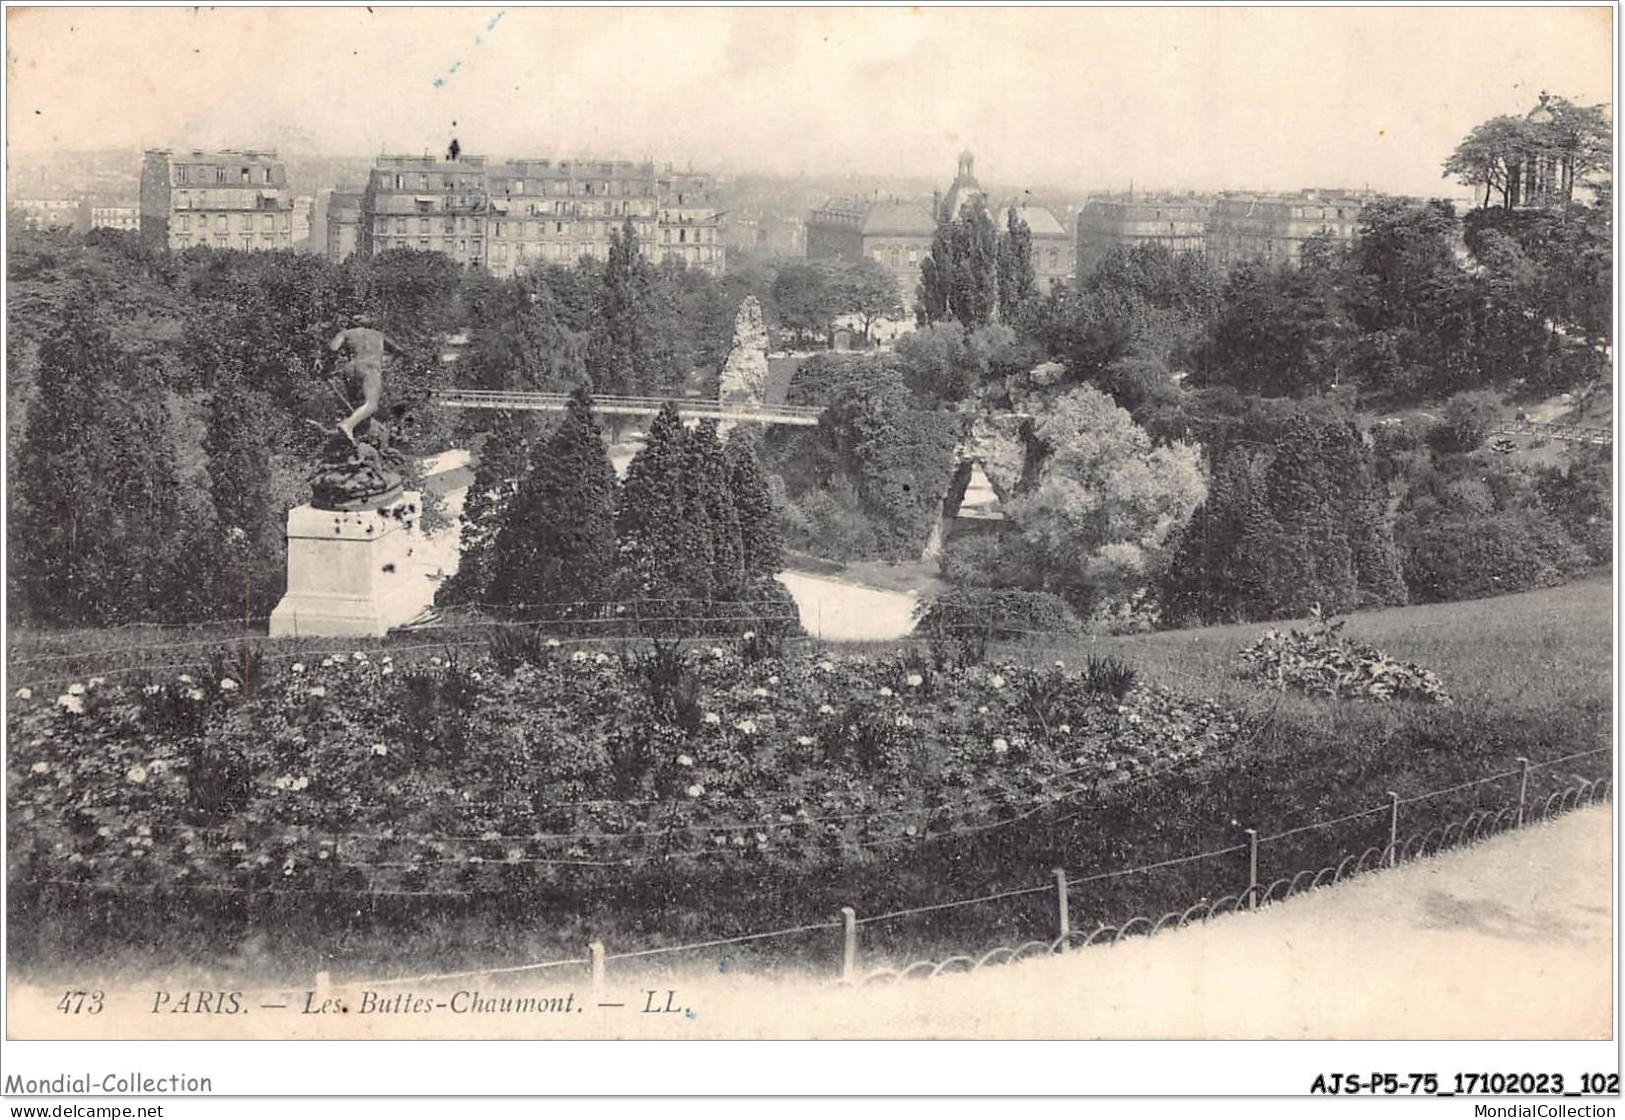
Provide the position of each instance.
(964, 187)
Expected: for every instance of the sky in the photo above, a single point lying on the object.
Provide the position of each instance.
(1182, 98)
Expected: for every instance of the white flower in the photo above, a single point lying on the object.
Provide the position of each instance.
(284, 782)
(825, 710)
(95, 681)
(287, 866)
(380, 749)
(774, 679)
(151, 690)
(982, 710)
(435, 661)
(600, 659)
(194, 694)
(551, 643)
(319, 690)
(185, 678)
(996, 681)
(826, 666)
(685, 760)
(297, 667)
(227, 685)
(25, 694)
(747, 726)
(884, 691)
(1060, 664)
(579, 656)
(76, 689)
(327, 663)
(904, 721)
(758, 692)
(1064, 729)
(695, 790)
(804, 740)
(358, 656)
(718, 651)
(104, 832)
(137, 773)
(1000, 746)
(388, 669)
(748, 635)
(236, 533)
(41, 767)
(712, 717)
(1134, 717)
(73, 703)
(915, 680)
(301, 782)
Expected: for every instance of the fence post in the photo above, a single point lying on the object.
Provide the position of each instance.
(1393, 829)
(1252, 869)
(849, 945)
(1523, 787)
(1063, 907)
(595, 957)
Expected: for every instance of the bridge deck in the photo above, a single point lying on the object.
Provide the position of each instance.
(800, 415)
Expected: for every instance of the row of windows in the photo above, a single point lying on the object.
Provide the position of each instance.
(245, 222)
(233, 199)
(199, 173)
(245, 242)
(626, 188)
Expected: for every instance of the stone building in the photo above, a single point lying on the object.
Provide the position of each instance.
(692, 221)
(428, 204)
(1053, 255)
(343, 225)
(226, 200)
(558, 211)
(124, 218)
(1272, 229)
(897, 234)
(1177, 224)
(46, 213)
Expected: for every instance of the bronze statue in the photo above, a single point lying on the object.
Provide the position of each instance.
(359, 468)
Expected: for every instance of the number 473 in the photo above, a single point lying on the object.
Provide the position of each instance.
(80, 1003)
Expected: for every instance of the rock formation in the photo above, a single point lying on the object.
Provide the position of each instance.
(744, 374)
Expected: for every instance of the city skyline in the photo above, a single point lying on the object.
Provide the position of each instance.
(1079, 97)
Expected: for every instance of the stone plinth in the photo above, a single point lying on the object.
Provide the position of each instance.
(351, 573)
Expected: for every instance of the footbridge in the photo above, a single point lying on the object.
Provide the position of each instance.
(739, 412)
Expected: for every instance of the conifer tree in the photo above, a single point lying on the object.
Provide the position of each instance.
(762, 553)
(95, 536)
(504, 461)
(716, 497)
(557, 543)
(649, 518)
(250, 547)
(1312, 561)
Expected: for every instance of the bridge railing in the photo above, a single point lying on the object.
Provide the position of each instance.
(1577, 433)
(498, 398)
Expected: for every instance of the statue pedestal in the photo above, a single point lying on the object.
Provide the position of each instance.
(351, 573)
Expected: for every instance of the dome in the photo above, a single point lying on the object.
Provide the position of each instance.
(1542, 113)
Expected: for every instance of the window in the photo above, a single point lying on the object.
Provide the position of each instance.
(476, 247)
(423, 244)
(220, 223)
(423, 225)
(518, 186)
(267, 175)
(220, 174)
(894, 257)
(400, 225)
(186, 221)
(423, 182)
(913, 256)
(268, 222)
(682, 236)
(500, 232)
(1053, 258)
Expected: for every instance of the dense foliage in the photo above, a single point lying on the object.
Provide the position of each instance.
(1321, 660)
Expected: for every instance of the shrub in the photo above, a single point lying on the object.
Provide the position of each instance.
(1322, 661)
(1470, 556)
(1109, 676)
(961, 623)
(1466, 423)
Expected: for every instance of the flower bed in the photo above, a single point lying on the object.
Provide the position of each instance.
(355, 773)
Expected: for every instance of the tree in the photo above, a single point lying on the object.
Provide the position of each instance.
(868, 290)
(557, 542)
(516, 339)
(1489, 155)
(634, 346)
(97, 536)
(1095, 501)
(960, 276)
(1218, 568)
(806, 297)
(710, 503)
(252, 552)
(1018, 283)
(649, 516)
(504, 461)
(761, 553)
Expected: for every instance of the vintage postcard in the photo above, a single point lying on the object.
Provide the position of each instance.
(1057, 523)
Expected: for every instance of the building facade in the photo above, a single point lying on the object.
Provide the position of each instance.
(426, 204)
(343, 225)
(692, 226)
(225, 200)
(123, 218)
(896, 234)
(547, 211)
(47, 213)
(1272, 229)
(1177, 224)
